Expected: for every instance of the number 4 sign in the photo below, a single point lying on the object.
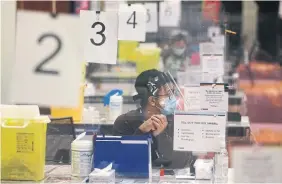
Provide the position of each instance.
(47, 70)
(132, 22)
(99, 31)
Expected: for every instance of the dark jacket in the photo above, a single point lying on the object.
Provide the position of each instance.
(128, 124)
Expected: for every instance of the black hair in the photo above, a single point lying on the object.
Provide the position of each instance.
(178, 37)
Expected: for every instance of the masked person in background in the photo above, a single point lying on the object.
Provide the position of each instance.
(157, 101)
(176, 56)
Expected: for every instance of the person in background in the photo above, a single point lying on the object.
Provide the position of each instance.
(176, 57)
(156, 103)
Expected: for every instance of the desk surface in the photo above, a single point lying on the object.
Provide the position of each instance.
(62, 174)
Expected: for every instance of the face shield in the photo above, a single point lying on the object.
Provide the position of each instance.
(174, 100)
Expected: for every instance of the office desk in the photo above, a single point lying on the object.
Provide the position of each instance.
(62, 174)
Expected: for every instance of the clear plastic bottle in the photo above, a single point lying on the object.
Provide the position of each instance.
(221, 164)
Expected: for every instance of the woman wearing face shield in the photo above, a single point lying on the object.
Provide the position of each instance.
(157, 101)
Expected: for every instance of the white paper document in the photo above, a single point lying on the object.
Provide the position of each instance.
(212, 57)
(151, 17)
(198, 131)
(257, 164)
(210, 48)
(192, 97)
(213, 97)
(219, 40)
(211, 78)
(213, 64)
(189, 77)
(170, 13)
(214, 31)
(132, 22)
(47, 69)
(99, 36)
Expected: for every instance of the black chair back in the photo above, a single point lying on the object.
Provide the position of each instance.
(60, 134)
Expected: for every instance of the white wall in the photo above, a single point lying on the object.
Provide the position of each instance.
(8, 27)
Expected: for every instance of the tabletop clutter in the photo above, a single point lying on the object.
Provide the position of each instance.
(211, 106)
(93, 157)
(100, 159)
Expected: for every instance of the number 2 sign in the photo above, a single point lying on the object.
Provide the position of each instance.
(132, 22)
(47, 70)
(99, 36)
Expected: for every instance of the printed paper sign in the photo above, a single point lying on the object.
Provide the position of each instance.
(257, 164)
(192, 97)
(198, 131)
(219, 40)
(47, 70)
(210, 48)
(212, 58)
(189, 77)
(99, 36)
(132, 22)
(213, 97)
(170, 13)
(214, 31)
(152, 17)
(213, 64)
(211, 78)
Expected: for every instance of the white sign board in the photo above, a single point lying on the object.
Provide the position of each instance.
(208, 77)
(99, 36)
(213, 64)
(257, 164)
(132, 22)
(192, 97)
(48, 64)
(213, 97)
(170, 13)
(189, 77)
(198, 131)
(219, 40)
(212, 60)
(214, 31)
(151, 17)
(210, 48)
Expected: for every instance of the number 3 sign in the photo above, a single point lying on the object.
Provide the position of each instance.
(132, 22)
(99, 32)
(47, 70)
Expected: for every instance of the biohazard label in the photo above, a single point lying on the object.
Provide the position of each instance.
(25, 142)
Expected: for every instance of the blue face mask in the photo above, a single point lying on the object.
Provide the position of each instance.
(169, 106)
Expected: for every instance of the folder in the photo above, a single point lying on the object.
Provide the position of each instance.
(130, 155)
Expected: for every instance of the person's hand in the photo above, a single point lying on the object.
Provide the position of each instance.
(160, 123)
(156, 124)
(147, 126)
